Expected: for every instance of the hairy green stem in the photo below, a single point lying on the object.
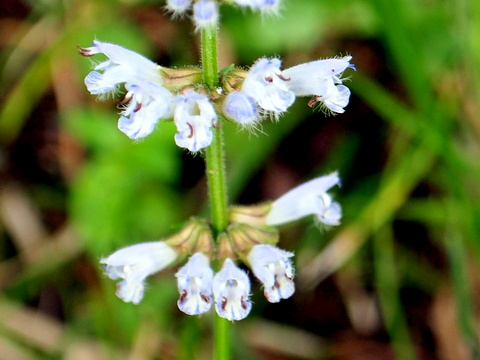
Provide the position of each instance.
(215, 171)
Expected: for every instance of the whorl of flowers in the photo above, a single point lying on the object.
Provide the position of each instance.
(154, 93)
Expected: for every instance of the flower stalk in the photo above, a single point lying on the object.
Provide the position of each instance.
(215, 172)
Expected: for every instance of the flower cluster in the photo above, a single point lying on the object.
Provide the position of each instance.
(267, 90)
(250, 237)
(154, 92)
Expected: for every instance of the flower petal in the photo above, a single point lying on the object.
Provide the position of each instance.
(272, 266)
(231, 290)
(194, 117)
(195, 285)
(306, 199)
(134, 263)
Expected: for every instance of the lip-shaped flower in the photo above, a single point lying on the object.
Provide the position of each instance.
(231, 290)
(123, 65)
(194, 117)
(267, 85)
(272, 266)
(146, 100)
(322, 79)
(147, 103)
(133, 264)
(307, 199)
(195, 285)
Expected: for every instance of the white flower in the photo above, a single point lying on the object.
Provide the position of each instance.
(322, 79)
(231, 289)
(122, 66)
(306, 199)
(178, 7)
(194, 117)
(272, 266)
(267, 85)
(146, 100)
(133, 264)
(205, 14)
(195, 285)
(241, 109)
(147, 103)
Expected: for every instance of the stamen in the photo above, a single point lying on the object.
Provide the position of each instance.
(139, 106)
(183, 297)
(87, 52)
(276, 284)
(126, 99)
(280, 75)
(312, 101)
(191, 130)
(244, 303)
(205, 298)
(268, 79)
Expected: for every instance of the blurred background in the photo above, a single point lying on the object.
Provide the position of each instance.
(399, 279)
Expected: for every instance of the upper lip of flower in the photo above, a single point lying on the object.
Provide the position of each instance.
(300, 201)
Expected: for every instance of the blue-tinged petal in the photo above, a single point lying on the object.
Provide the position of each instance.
(272, 266)
(266, 84)
(307, 199)
(195, 285)
(130, 291)
(97, 85)
(320, 78)
(205, 14)
(178, 7)
(134, 263)
(147, 103)
(241, 109)
(194, 117)
(322, 69)
(338, 100)
(122, 66)
(231, 290)
(123, 56)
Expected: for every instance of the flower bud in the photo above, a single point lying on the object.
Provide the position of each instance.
(193, 236)
(252, 215)
(205, 14)
(243, 237)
